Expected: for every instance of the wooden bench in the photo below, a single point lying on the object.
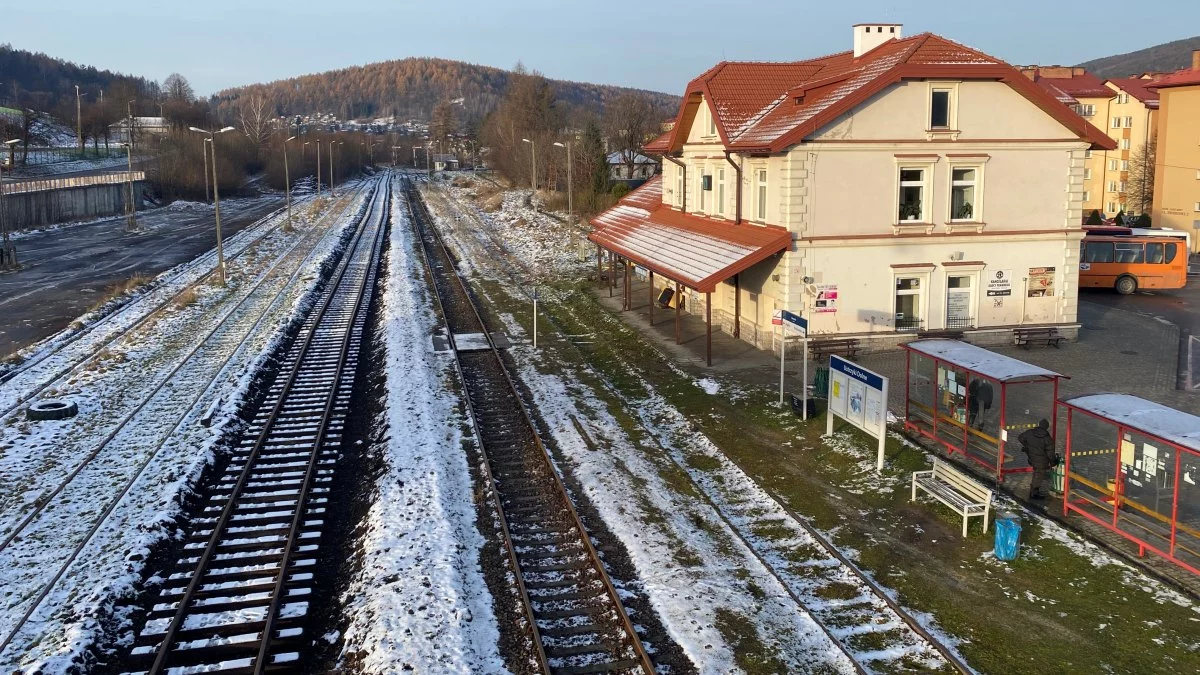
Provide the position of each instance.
(823, 347)
(947, 334)
(956, 490)
(1027, 337)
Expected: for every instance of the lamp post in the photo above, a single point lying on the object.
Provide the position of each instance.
(8, 252)
(570, 186)
(130, 208)
(533, 164)
(212, 138)
(287, 183)
(78, 120)
(204, 151)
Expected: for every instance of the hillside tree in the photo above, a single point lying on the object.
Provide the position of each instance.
(255, 117)
(1139, 183)
(631, 121)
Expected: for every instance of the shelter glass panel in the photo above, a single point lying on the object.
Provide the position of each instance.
(1025, 404)
(1146, 489)
(1187, 529)
(920, 389)
(1093, 465)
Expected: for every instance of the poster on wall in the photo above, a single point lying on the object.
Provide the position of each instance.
(999, 283)
(827, 298)
(1040, 283)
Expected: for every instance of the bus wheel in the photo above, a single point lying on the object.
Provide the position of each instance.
(1126, 285)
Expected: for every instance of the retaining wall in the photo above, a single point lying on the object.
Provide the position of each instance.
(25, 210)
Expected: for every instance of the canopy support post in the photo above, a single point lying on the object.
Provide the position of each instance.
(708, 328)
(612, 273)
(651, 297)
(678, 303)
(737, 304)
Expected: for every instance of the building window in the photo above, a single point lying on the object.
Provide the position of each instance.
(1121, 186)
(908, 303)
(1197, 207)
(1122, 98)
(962, 193)
(959, 301)
(1087, 174)
(721, 191)
(912, 194)
(1112, 165)
(1087, 196)
(1087, 154)
(1124, 165)
(760, 202)
(939, 109)
(1112, 207)
(703, 187)
(1112, 186)
(679, 170)
(1087, 110)
(1124, 143)
(712, 123)
(1116, 122)
(1128, 121)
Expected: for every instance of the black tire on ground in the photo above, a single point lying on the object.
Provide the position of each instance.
(51, 409)
(1126, 285)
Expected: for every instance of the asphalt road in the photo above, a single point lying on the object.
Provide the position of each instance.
(1181, 307)
(66, 272)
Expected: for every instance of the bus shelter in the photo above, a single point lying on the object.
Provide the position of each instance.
(1132, 466)
(976, 402)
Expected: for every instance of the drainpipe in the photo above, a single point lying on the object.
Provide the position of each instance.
(682, 167)
(737, 169)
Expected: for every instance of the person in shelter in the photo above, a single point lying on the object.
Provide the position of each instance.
(979, 395)
(1038, 445)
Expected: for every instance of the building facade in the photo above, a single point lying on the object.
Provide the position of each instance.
(1177, 178)
(919, 185)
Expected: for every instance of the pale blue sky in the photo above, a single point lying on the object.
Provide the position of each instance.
(653, 45)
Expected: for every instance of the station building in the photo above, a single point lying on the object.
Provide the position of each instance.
(907, 185)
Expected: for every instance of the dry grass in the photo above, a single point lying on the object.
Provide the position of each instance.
(186, 298)
(120, 288)
(493, 203)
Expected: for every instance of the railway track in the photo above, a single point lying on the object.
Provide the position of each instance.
(573, 615)
(56, 527)
(874, 631)
(237, 599)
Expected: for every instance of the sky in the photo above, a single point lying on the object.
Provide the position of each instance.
(649, 45)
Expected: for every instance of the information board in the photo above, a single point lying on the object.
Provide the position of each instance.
(858, 396)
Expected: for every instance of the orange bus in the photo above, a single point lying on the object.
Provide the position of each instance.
(1127, 263)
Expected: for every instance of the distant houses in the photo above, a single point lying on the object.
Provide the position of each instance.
(638, 167)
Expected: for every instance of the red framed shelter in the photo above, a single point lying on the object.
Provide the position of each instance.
(1132, 466)
(976, 402)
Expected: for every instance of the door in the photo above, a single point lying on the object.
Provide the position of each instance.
(908, 304)
(959, 296)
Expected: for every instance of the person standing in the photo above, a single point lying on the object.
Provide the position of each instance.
(1038, 445)
(980, 394)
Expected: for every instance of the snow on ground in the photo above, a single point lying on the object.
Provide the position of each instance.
(131, 488)
(419, 601)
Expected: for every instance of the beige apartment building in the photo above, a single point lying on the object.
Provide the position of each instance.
(1124, 109)
(1177, 179)
(906, 185)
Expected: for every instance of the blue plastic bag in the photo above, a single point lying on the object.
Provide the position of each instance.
(1008, 537)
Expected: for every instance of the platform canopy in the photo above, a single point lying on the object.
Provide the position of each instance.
(1148, 417)
(981, 361)
(697, 252)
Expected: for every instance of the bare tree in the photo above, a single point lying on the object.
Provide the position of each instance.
(1139, 183)
(176, 88)
(255, 118)
(630, 121)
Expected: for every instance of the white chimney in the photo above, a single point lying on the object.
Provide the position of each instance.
(868, 36)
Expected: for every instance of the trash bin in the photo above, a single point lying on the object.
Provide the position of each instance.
(1008, 536)
(820, 385)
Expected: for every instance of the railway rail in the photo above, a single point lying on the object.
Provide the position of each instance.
(871, 617)
(573, 615)
(235, 602)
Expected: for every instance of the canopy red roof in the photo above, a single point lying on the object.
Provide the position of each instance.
(697, 252)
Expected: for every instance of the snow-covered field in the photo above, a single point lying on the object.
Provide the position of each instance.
(419, 601)
(136, 445)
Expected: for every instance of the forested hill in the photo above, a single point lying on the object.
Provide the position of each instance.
(410, 88)
(35, 79)
(1166, 57)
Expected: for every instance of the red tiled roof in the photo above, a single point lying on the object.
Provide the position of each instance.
(658, 145)
(1179, 78)
(1084, 85)
(765, 107)
(1137, 88)
(695, 251)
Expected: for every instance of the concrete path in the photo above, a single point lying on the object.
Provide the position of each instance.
(66, 271)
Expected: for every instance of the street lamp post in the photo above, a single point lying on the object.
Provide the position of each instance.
(570, 186)
(212, 138)
(8, 252)
(130, 208)
(204, 151)
(287, 183)
(78, 120)
(533, 164)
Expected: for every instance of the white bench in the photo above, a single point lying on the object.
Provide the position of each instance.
(956, 490)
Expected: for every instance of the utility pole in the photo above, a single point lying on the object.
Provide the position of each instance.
(79, 120)
(287, 185)
(570, 187)
(204, 150)
(212, 138)
(130, 208)
(533, 165)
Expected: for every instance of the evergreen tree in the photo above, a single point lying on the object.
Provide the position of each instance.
(1094, 218)
(592, 156)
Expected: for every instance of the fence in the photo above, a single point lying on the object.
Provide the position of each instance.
(40, 185)
(37, 156)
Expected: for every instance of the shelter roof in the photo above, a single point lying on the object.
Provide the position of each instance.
(1148, 417)
(981, 361)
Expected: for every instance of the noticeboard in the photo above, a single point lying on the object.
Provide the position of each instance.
(858, 396)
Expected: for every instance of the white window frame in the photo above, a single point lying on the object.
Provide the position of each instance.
(1111, 207)
(701, 204)
(1112, 186)
(1121, 186)
(710, 121)
(927, 167)
(1087, 195)
(922, 275)
(680, 186)
(977, 204)
(1088, 109)
(1124, 144)
(973, 276)
(952, 106)
(1087, 154)
(1087, 173)
(1128, 121)
(1122, 98)
(720, 200)
(761, 193)
(1116, 123)
(1197, 207)
(1112, 165)
(1124, 165)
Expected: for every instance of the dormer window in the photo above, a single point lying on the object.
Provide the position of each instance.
(712, 123)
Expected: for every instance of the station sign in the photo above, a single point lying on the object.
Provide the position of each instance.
(858, 396)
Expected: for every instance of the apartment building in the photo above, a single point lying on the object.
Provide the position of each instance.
(1177, 178)
(909, 184)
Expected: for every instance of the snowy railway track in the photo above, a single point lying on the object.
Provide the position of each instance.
(574, 617)
(55, 527)
(866, 623)
(48, 365)
(236, 601)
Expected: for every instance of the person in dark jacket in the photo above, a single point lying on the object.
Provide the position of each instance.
(1038, 445)
(979, 394)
